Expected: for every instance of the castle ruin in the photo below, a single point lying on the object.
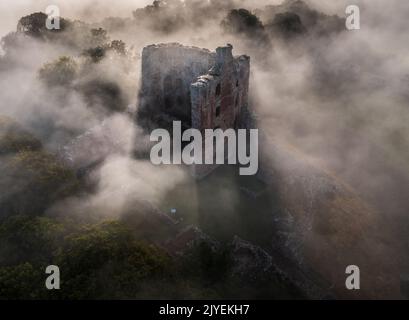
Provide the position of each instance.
(200, 88)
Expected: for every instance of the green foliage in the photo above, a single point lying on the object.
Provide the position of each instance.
(105, 261)
(30, 178)
(287, 25)
(99, 37)
(96, 54)
(61, 72)
(242, 21)
(23, 281)
(294, 18)
(32, 181)
(98, 45)
(118, 46)
(97, 92)
(27, 238)
(14, 139)
(103, 93)
(96, 261)
(13, 142)
(162, 16)
(45, 170)
(75, 34)
(34, 25)
(99, 52)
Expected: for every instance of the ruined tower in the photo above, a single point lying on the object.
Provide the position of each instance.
(203, 89)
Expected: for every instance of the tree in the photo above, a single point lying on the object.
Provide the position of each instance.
(33, 180)
(242, 21)
(118, 46)
(13, 138)
(34, 25)
(287, 25)
(107, 94)
(30, 178)
(61, 72)
(99, 37)
(162, 16)
(96, 54)
(23, 281)
(106, 261)
(29, 238)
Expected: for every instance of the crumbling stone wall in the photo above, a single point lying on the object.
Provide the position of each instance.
(168, 70)
(219, 97)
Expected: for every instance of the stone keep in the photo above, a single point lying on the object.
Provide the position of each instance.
(203, 89)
